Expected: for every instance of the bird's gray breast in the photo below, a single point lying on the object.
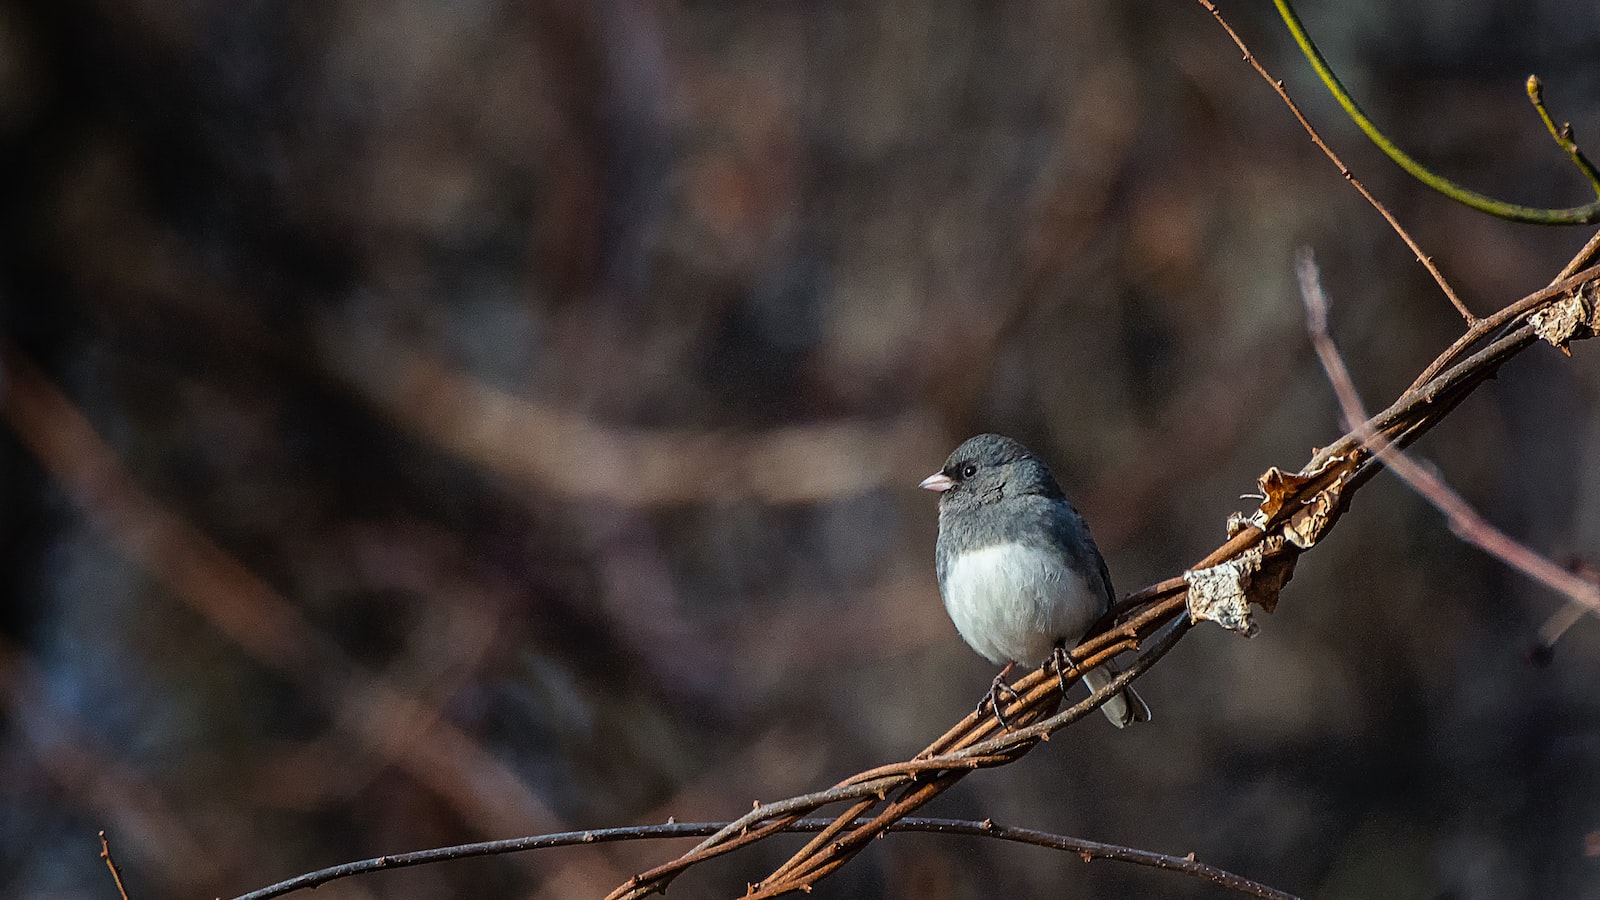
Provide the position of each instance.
(1012, 601)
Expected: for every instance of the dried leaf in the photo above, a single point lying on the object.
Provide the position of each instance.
(1559, 322)
(1307, 525)
(1277, 487)
(1280, 488)
(1275, 572)
(1223, 593)
(1217, 594)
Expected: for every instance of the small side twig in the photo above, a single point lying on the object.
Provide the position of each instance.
(116, 872)
(1567, 616)
(1316, 138)
(1465, 521)
(1563, 135)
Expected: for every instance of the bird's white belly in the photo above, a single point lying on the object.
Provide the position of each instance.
(1012, 603)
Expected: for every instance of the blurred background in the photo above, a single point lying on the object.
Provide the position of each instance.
(428, 422)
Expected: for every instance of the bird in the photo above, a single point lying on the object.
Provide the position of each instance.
(1019, 573)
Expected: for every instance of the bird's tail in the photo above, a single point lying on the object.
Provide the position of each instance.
(1123, 709)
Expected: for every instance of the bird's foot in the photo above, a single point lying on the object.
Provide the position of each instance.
(992, 698)
(1061, 660)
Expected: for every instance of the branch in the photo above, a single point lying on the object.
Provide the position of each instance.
(116, 873)
(1084, 849)
(1316, 138)
(1562, 135)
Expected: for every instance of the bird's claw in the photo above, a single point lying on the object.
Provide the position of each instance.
(992, 699)
(1061, 660)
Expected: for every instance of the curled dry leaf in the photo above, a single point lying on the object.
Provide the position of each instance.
(1279, 489)
(1563, 320)
(1306, 526)
(1277, 568)
(1223, 593)
(1218, 594)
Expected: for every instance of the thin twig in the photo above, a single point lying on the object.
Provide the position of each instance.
(1570, 279)
(116, 872)
(1085, 849)
(1591, 248)
(1467, 523)
(1562, 135)
(1558, 624)
(1316, 138)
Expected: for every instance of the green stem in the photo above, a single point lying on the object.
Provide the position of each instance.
(1577, 215)
(1562, 135)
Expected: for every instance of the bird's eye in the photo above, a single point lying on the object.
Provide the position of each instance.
(969, 470)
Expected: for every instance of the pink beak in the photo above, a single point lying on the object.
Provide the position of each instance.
(938, 481)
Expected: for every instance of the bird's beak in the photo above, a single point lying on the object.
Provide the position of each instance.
(938, 481)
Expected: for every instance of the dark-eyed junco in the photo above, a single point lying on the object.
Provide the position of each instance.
(1021, 577)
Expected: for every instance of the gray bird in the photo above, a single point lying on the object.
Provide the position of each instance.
(1019, 572)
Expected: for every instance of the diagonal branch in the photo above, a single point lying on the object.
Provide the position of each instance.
(1467, 523)
(1316, 138)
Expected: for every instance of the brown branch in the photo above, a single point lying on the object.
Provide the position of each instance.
(1467, 523)
(116, 873)
(967, 747)
(1344, 170)
(1567, 616)
(1085, 849)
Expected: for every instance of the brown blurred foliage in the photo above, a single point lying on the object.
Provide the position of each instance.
(428, 422)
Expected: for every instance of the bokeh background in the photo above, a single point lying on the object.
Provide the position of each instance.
(428, 422)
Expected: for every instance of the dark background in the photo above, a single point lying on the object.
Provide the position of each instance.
(429, 422)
